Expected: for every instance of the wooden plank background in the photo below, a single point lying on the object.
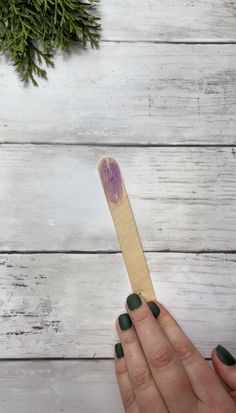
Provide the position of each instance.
(127, 93)
(51, 198)
(158, 95)
(65, 305)
(171, 20)
(58, 386)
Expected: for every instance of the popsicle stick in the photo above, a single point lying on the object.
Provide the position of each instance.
(126, 228)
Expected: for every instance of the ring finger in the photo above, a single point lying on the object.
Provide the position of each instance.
(125, 386)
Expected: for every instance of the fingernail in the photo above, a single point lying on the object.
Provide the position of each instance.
(225, 356)
(125, 321)
(119, 350)
(154, 309)
(134, 301)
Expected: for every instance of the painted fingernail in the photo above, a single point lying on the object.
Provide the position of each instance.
(125, 321)
(119, 351)
(134, 301)
(225, 356)
(154, 309)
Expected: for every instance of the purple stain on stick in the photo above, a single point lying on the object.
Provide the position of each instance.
(111, 179)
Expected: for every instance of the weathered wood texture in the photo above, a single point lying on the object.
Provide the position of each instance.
(65, 305)
(127, 93)
(59, 386)
(133, 92)
(56, 387)
(51, 198)
(169, 20)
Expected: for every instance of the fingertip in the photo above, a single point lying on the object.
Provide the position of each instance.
(213, 352)
(136, 301)
(117, 324)
(225, 366)
(215, 361)
(162, 307)
(224, 356)
(155, 309)
(118, 350)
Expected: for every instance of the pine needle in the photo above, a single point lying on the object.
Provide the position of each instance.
(31, 31)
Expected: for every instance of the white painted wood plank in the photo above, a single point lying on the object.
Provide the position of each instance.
(59, 386)
(51, 198)
(169, 20)
(65, 305)
(127, 93)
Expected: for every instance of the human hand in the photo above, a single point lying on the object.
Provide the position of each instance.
(160, 371)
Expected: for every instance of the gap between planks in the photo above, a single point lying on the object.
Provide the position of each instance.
(107, 252)
(183, 41)
(2, 360)
(119, 145)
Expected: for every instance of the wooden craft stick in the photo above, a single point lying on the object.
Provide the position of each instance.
(126, 228)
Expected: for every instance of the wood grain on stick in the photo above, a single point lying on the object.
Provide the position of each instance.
(126, 229)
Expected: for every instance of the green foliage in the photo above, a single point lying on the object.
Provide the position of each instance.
(31, 30)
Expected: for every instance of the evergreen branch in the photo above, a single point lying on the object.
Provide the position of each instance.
(31, 30)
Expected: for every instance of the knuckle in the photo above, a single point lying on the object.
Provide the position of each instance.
(141, 316)
(120, 369)
(161, 356)
(216, 406)
(130, 354)
(141, 378)
(212, 403)
(184, 350)
(166, 322)
(202, 374)
(129, 338)
(128, 397)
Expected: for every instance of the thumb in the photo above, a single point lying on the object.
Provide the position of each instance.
(225, 366)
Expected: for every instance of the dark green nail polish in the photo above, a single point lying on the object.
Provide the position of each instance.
(154, 309)
(119, 351)
(134, 301)
(225, 356)
(125, 321)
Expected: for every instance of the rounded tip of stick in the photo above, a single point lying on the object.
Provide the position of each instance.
(111, 179)
(108, 160)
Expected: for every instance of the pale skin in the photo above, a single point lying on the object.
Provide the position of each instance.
(162, 372)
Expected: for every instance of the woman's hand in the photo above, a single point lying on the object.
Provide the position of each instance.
(160, 371)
